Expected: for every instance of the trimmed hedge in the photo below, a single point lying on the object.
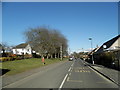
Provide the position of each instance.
(2, 59)
(14, 57)
(108, 58)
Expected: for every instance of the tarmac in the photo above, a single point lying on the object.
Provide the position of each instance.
(111, 74)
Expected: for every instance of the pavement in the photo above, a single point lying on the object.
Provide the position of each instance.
(111, 74)
(69, 74)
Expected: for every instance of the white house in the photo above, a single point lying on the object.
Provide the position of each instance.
(21, 49)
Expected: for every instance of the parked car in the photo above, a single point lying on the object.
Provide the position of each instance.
(70, 59)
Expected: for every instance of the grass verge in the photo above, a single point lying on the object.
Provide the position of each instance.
(19, 66)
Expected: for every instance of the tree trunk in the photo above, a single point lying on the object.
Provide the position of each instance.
(55, 55)
(42, 56)
(51, 56)
(58, 55)
(48, 56)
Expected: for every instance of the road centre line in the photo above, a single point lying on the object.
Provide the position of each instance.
(63, 82)
(72, 64)
(69, 69)
(69, 73)
(68, 78)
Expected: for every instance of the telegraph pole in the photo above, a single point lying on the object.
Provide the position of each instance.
(61, 52)
(69, 52)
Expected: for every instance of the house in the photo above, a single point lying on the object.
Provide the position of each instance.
(90, 54)
(111, 45)
(21, 49)
(93, 51)
(108, 53)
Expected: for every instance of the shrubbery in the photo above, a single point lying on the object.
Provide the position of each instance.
(108, 59)
(14, 57)
(2, 59)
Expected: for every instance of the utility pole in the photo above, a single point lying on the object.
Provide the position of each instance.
(69, 51)
(61, 52)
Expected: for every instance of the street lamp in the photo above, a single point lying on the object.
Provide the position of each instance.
(91, 50)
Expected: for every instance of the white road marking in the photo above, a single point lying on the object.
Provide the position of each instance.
(68, 79)
(72, 64)
(63, 82)
(69, 69)
(69, 74)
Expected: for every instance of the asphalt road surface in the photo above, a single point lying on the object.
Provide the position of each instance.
(70, 74)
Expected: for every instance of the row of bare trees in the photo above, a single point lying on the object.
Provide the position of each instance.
(46, 41)
(4, 49)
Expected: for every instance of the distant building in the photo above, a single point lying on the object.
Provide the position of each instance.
(21, 49)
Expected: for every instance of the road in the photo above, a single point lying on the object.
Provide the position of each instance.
(70, 74)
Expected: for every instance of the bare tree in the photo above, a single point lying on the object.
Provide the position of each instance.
(5, 48)
(46, 41)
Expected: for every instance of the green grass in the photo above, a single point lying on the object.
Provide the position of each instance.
(19, 66)
(0, 65)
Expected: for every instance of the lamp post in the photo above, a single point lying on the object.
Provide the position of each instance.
(69, 52)
(91, 50)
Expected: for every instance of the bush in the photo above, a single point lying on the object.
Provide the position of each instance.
(14, 57)
(2, 59)
(107, 59)
(27, 56)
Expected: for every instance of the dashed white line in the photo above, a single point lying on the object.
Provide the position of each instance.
(69, 74)
(68, 78)
(65, 77)
(72, 64)
(69, 69)
(63, 82)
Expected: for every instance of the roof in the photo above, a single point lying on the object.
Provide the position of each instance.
(108, 44)
(93, 51)
(23, 45)
(0, 45)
